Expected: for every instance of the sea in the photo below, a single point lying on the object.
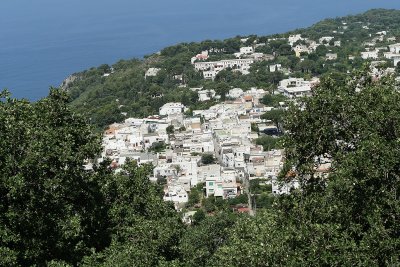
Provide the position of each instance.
(44, 41)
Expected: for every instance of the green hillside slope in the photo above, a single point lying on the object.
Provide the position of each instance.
(126, 92)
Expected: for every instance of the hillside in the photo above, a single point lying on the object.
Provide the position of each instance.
(148, 193)
(108, 94)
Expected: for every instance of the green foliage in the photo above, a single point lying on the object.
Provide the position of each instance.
(145, 228)
(199, 243)
(258, 186)
(104, 100)
(194, 197)
(348, 216)
(264, 200)
(43, 147)
(209, 204)
(242, 199)
(199, 216)
(157, 147)
(207, 158)
(269, 142)
(273, 100)
(254, 127)
(275, 115)
(170, 129)
(54, 212)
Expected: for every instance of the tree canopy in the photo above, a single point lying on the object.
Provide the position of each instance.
(348, 213)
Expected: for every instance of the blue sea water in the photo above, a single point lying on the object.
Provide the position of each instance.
(43, 41)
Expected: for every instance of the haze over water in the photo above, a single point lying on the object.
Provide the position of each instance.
(43, 41)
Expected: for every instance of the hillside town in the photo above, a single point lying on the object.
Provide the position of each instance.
(223, 132)
(215, 148)
(178, 143)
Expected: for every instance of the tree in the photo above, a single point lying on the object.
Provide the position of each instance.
(199, 243)
(56, 213)
(199, 216)
(145, 229)
(339, 214)
(157, 147)
(50, 207)
(254, 127)
(207, 158)
(271, 100)
(222, 88)
(268, 142)
(275, 115)
(170, 129)
(321, 50)
(194, 197)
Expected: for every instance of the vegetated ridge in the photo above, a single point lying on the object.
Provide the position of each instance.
(108, 94)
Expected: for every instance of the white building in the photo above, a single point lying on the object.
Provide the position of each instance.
(273, 162)
(275, 67)
(390, 55)
(212, 170)
(279, 188)
(370, 54)
(298, 91)
(396, 61)
(331, 56)
(292, 82)
(172, 108)
(246, 50)
(224, 186)
(298, 49)
(151, 72)
(211, 69)
(235, 93)
(294, 38)
(205, 95)
(395, 48)
(210, 74)
(176, 194)
(223, 64)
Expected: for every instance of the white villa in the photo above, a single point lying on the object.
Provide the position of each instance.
(172, 108)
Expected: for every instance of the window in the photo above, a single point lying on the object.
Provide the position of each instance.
(211, 183)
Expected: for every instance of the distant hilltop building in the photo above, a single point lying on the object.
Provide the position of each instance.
(294, 38)
(151, 72)
(211, 69)
(202, 56)
(370, 54)
(244, 51)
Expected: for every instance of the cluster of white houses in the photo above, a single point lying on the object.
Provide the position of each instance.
(373, 50)
(223, 130)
